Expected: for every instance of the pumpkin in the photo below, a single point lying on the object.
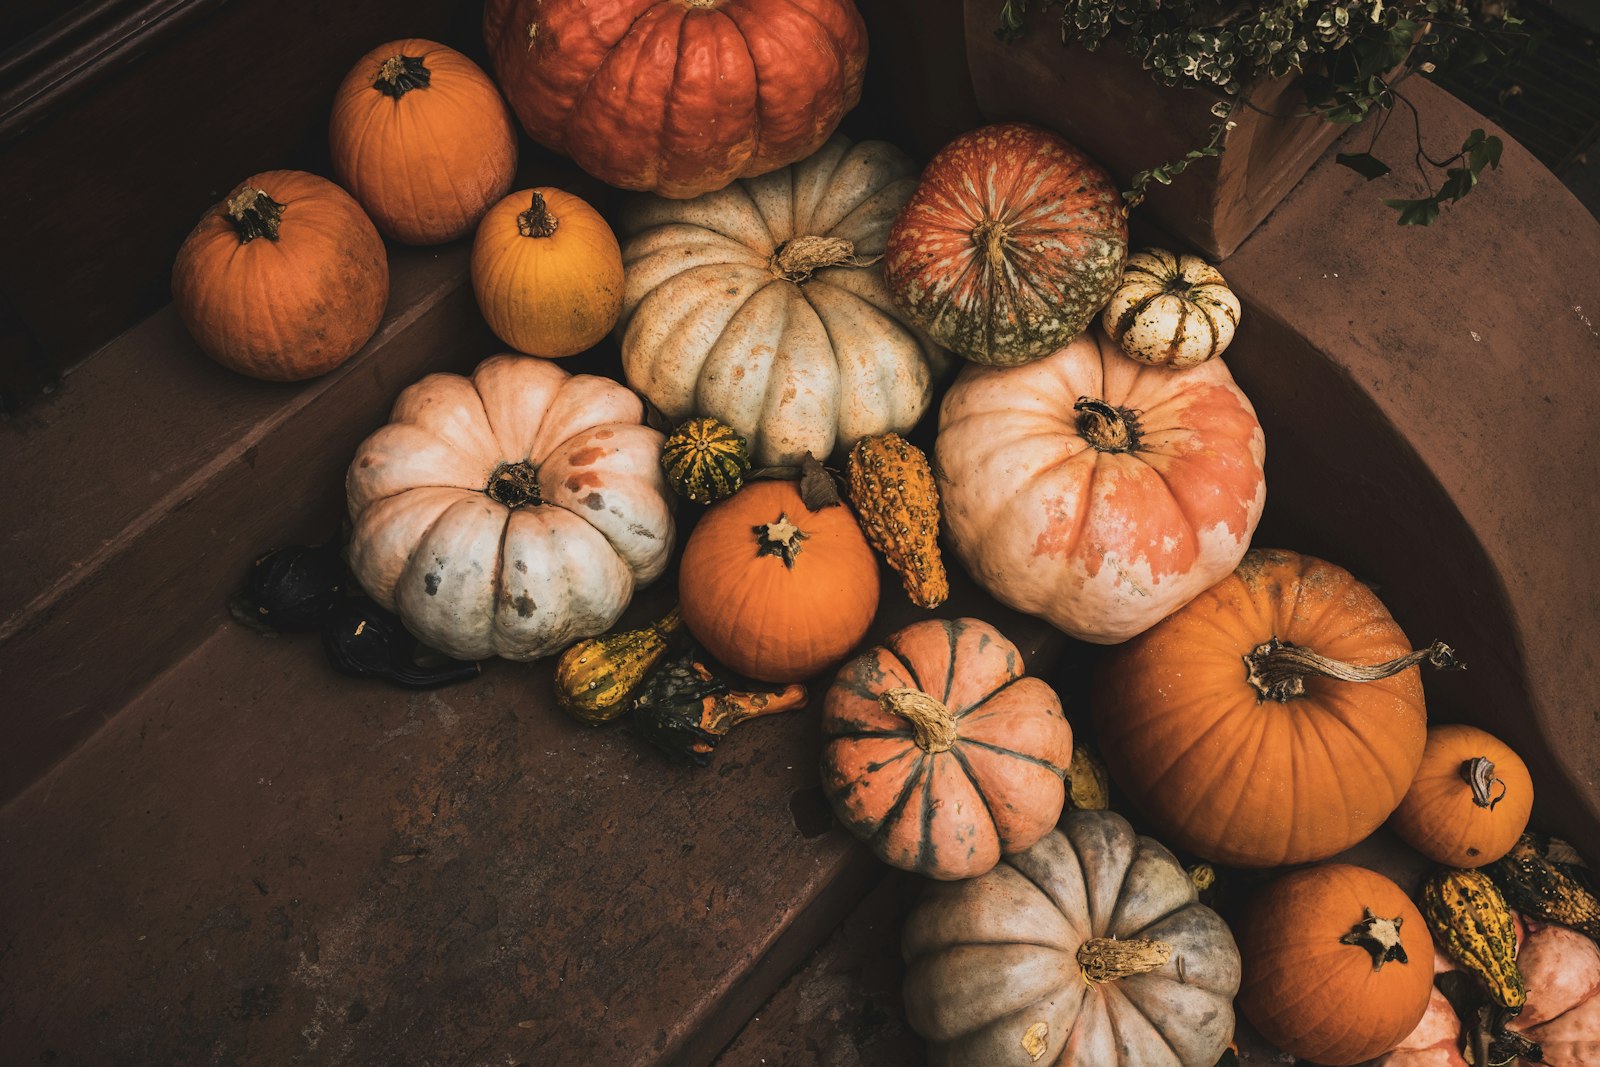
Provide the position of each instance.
(1470, 800)
(1171, 310)
(284, 279)
(1475, 928)
(705, 460)
(897, 500)
(1562, 971)
(1096, 492)
(763, 306)
(1276, 719)
(512, 512)
(547, 273)
(595, 677)
(679, 97)
(774, 590)
(422, 139)
(1436, 1041)
(1338, 966)
(1012, 243)
(1533, 882)
(1086, 950)
(940, 754)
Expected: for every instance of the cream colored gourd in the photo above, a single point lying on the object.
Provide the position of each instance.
(763, 305)
(509, 513)
(1089, 949)
(1171, 310)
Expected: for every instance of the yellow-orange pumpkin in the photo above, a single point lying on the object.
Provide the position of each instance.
(773, 589)
(284, 279)
(1221, 723)
(422, 139)
(1470, 800)
(1338, 964)
(939, 754)
(548, 273)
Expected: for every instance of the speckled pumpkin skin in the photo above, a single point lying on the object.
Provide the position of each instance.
(1012, 243)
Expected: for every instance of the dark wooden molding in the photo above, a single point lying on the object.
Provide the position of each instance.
(72, 54)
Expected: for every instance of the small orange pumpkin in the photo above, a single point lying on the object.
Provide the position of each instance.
(775, 590)
(940, 754)
(284, 279)
(422, 139)
(1338, 964)
(548, 273)
(1470, 800)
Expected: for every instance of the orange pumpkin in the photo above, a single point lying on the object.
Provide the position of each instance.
(773, 589)
(1470, 800)
(1242, 726)
(548, 273)
(284, 279)
(1338, 964)
(422, 139)
(940, 754)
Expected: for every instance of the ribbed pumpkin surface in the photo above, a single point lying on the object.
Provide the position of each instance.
(1012, 243)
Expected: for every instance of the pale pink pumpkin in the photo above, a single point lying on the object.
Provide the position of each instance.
(1097, 492)
(1434, 1043)
(1561, 969)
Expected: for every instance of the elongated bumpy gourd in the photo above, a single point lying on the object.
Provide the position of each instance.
(1471, 922)
(893, 490)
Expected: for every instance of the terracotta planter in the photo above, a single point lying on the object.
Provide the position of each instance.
(1109, 106)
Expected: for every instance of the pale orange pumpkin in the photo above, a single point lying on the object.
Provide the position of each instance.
(1338, 964)
(773, 589)
(1470, 800)
(284, 279)
(1238, 724)
(940, 754)
(547, 272)
(422, 139)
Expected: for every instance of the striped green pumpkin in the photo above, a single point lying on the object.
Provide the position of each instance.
(1170, 310)
(705, 460)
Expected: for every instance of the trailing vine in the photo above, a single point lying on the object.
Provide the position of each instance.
(1349, 55)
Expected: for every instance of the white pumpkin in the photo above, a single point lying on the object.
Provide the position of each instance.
(510, 513)
(763, 305)
(1171, 310)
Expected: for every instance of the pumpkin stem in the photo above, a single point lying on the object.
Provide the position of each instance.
(1479, 774)
(798, 258)
(779, 538)
(1107, 427)
(515, 485)
(990, 235)
(255, 214)
(935, 727)
(1277, 670)
(1381, 937)
(401, 74)
(1105, 959)
(537, 220)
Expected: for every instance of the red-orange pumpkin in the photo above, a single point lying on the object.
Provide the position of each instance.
(773, 589)
(422, 139)
(1470, 800)
(1011, 245)
(678, 96)
(1222, 721)
(940, 754)
(1338, 964)
(284, 279)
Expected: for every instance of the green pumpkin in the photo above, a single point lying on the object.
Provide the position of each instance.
(705, 460)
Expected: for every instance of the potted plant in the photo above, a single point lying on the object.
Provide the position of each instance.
(1240, 98)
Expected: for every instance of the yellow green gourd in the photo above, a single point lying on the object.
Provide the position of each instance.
(1088, 784)
(595, 677)
(705, 460)
(1473, 925)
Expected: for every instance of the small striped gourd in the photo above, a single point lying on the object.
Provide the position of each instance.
(1171, 310)
(595, 676)
(1472, 924)
(705, 460)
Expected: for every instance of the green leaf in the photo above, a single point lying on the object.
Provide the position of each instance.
(1458, 182)
(1415, 212)
(1483, 153)
(1365, 164)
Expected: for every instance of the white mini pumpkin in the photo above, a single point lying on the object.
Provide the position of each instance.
(763, 305)
(1171, 310)
(510, 513)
